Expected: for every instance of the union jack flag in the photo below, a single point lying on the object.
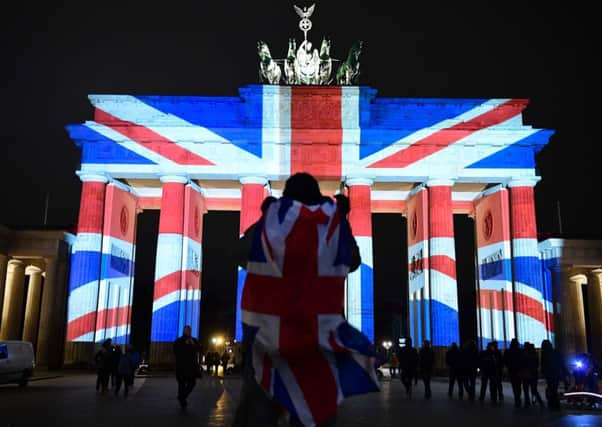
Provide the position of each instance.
(305, 355)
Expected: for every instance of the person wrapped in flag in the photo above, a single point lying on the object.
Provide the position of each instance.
(300, 352)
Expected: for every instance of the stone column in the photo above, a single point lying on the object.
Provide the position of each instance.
(360, 283)
(13, 301)
(571, 329)
(168, 270)
(594, 299)
(3, 267)
(442, 264)
(252, 194)
(32, 307)
(48, 342)
(526, 265)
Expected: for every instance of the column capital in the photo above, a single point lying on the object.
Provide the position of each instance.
(527, 181)
(15, 262)
(357, 180)
(175, 178)
(262, 180)
(579, 279)
(92, 176)
(439, 182)
(32, 269)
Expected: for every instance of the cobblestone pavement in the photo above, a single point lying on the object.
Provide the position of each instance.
(70, 400)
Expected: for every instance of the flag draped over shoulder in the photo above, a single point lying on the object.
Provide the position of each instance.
(304, 353)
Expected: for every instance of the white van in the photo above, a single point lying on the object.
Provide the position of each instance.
(17, 362)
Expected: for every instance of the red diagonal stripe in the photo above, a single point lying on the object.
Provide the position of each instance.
(445, 137)
(81, 325)
(150, 140)
(443, 264)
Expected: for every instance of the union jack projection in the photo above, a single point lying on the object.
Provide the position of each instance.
(381, 148)
(304, 354)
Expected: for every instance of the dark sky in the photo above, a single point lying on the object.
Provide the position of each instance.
(55, 54)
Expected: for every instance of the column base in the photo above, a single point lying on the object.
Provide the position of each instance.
(161, 355)
(79, 355)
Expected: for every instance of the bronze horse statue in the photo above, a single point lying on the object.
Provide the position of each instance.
(348, 72)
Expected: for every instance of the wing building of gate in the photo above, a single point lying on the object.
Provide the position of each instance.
(423, 158)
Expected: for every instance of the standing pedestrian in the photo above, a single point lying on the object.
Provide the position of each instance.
(426, 358)
(408, 363)
(533, 367)
(553, 370)
(499, 363)
(513, 360)
(103, 361)
(453, 362)
(128, 363)
(489, 373)
(469, 362)
(186, 350)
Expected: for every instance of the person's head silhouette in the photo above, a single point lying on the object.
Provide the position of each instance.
(304, 188)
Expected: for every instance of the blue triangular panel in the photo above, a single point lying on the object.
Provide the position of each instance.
(520, 155)
(97, 148)
(223, 116)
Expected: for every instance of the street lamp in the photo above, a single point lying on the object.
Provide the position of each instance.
(387, 345)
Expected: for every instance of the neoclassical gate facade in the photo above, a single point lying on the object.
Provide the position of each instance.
(423, 158)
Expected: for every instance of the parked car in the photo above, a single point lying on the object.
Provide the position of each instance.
(17, 362)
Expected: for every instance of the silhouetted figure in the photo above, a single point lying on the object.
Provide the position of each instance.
(489, 373)
(532, 363)
(553, 370)
(454, 363)
(128, 363)
(469, 362)
(115, 357)
(427, 361)
(513, 359)
(408, 364)
(255, 408)
(186, 350)
(499, 361)
(103, 362)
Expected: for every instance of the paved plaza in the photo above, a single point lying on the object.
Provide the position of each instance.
(69, 399)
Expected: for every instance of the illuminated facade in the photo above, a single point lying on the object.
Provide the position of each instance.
(423, 158)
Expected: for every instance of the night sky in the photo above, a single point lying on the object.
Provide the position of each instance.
(56, 54)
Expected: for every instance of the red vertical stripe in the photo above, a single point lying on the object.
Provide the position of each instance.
(441, 220)
(250, 209)
(91, 207)
(522, 203)
(360, 215)
(316, 131)
(172, 208)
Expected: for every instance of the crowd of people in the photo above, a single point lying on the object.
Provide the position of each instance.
(522, 366)
(115, 367)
